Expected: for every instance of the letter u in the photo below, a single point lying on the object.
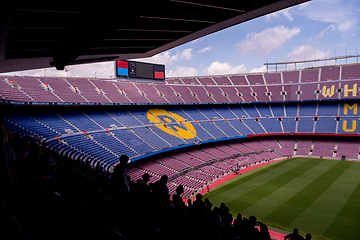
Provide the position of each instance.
(353, 128)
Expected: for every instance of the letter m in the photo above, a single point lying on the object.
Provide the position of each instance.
(347, 106)
(328, 92)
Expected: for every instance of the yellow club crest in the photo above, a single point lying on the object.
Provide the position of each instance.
(171, 123)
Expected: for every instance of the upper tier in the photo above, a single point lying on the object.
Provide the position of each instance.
(332, 82)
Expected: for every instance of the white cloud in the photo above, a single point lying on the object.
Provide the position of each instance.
(264, 42)
(38, 72)
(165, 58)
(323, 32)
(168, 57)
(100, 70)
(182, 71)
(259, 69)
(339, 13)
(305, 52)
(186, 54)
(303, 5)
(284, 12)
(103, 69)
(287, 14)
(197, 40)
(208, 48)
(308, 52)
(217, 68)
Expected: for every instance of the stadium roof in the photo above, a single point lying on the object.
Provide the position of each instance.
(38, 35)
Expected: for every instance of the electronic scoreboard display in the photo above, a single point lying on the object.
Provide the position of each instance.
(132, 69)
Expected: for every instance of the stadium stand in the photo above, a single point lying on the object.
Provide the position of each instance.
(291, 76)
(205, 121)
(222, 80)
(184, 128)
(11, 90)
(330, 73)
(273, 78)
(38, 91)
(88, 90)
(350, 72)
(169, 93)
(64, 90)
(268, 87)
(310, 75)
(70, 132)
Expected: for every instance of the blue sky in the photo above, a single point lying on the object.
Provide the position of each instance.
(312, 30)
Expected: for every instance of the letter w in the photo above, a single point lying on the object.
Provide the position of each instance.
(328, 92)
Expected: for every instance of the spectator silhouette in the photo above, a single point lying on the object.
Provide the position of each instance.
(244, 229)
(188, 206)
(255, 233)
(212, 229)
(294, 235)
(208, 205)
(308, 236)
(216, 213)
(227, 217)
(236, 225)
(142, 185)
(198, 208)
(161, 193)
(264, 232)
(238, 219)
(120, 178)
(222, 207)
(7, 158)
(180, 216)
(178, 202)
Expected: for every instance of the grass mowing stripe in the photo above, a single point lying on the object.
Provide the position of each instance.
(291, 209)
(266, 205)
(233, 184)
(317, 217)
(346, 224)
(247, 200)
(248, 182)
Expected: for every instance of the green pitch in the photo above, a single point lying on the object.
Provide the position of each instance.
(317, 196)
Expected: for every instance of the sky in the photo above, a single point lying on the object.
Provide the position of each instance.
(313, 30)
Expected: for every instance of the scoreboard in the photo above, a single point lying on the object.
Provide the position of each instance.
(132, 69)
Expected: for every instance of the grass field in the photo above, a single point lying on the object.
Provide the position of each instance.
(317, 196)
